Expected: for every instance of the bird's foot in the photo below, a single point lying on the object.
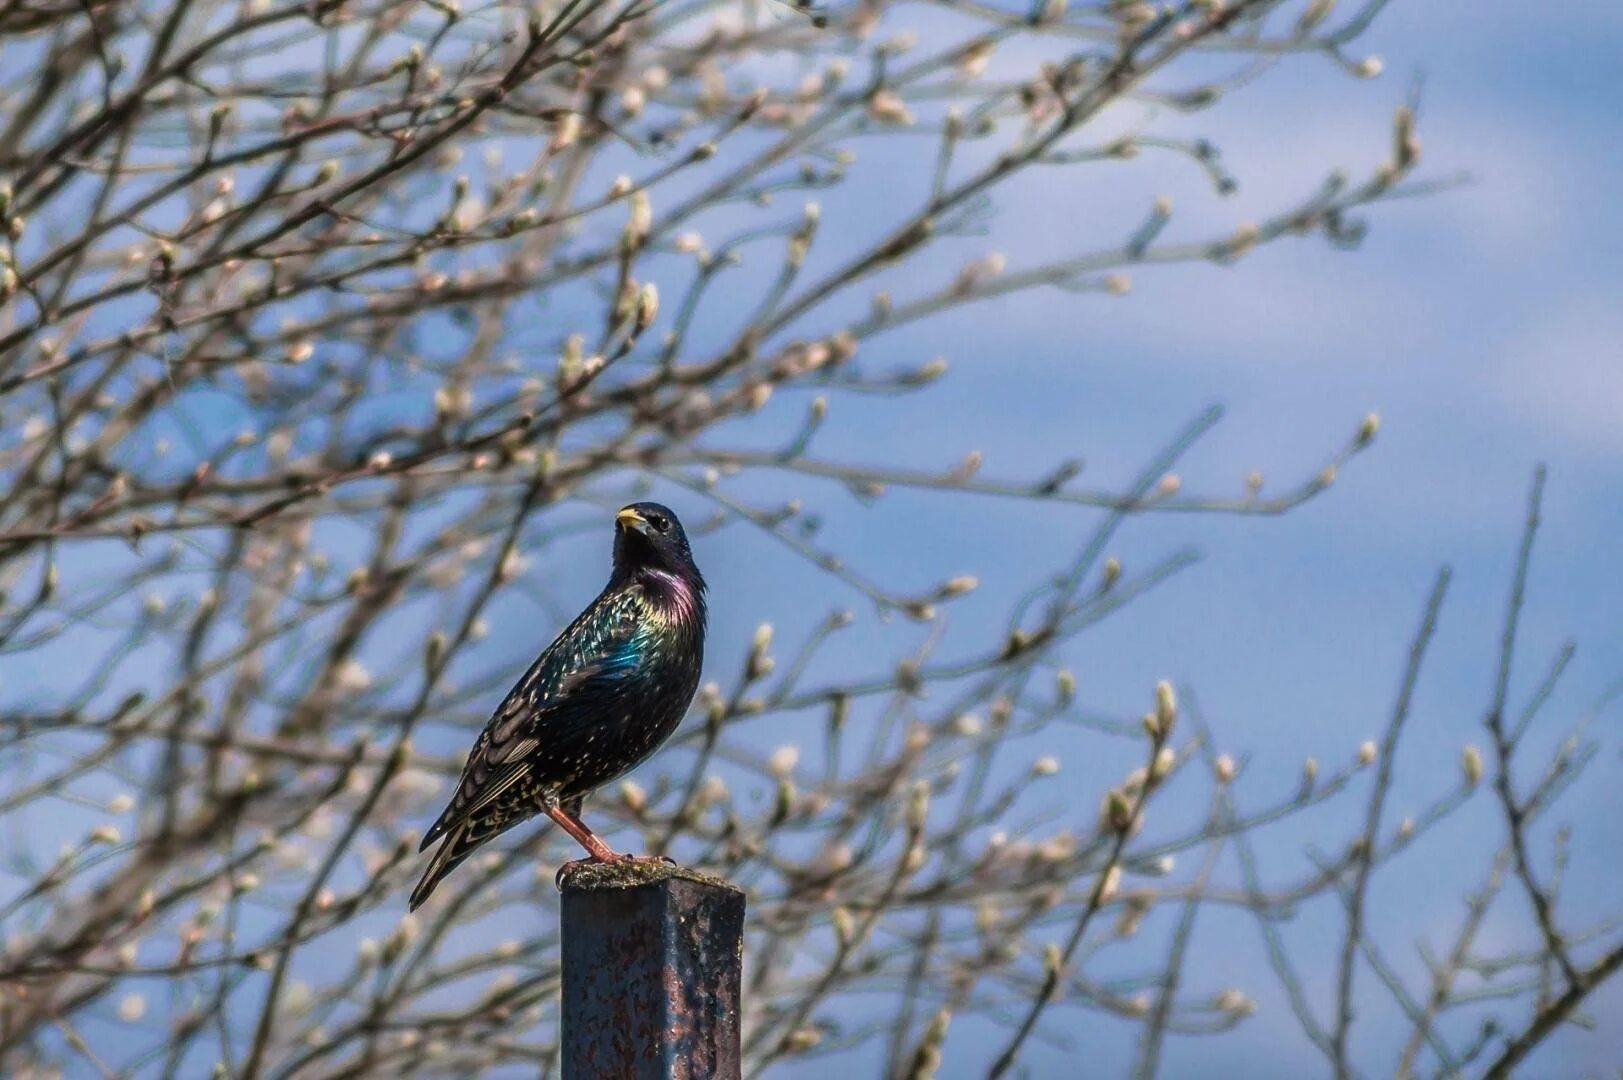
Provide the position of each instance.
(666, 859)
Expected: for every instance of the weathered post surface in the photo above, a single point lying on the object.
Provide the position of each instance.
(652, 964)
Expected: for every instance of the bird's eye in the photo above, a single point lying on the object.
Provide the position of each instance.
(663, 524)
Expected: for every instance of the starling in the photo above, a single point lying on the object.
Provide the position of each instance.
(594, 705)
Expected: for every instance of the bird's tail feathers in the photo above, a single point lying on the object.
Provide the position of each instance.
(461, 840)
(457, 847)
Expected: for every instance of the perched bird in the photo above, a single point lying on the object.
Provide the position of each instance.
(596, 703)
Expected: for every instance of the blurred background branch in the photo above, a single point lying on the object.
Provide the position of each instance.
(329, 334)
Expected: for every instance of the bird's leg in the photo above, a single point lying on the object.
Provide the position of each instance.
(600, 852)
(585, 837)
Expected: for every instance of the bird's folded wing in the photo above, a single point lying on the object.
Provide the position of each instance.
(568, 685)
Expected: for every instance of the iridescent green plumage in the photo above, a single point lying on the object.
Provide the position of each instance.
(599, 700)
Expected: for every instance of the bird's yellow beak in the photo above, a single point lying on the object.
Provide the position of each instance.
(630, 519)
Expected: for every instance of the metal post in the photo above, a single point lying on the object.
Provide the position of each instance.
(652, 964)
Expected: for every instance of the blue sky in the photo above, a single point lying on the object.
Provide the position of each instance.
(1484, 326)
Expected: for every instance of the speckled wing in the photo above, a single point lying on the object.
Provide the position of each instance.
(569, 685)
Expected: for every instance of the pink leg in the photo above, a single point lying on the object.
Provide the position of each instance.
(594, 845)
(587, 839)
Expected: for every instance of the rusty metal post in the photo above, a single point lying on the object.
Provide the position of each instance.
(652, 959)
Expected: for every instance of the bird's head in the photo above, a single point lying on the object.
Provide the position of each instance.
(647, 536)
